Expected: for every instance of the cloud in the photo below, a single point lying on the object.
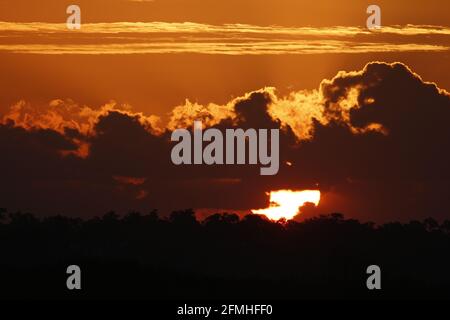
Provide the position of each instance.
(227, 39)
(184, 116)
(233, 29)
(70, 119)
(60, 115)
(374, 141)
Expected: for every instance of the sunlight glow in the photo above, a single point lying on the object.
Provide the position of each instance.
(287, 203)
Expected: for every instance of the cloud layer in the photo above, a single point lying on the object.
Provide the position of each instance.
(375, 142)
(227, 39)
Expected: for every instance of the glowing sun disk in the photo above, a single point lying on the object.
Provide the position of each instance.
(287, 203)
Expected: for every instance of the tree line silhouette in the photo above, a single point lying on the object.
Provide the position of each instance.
(224, 256)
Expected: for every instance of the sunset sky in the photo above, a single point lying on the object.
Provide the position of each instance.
(364, 113)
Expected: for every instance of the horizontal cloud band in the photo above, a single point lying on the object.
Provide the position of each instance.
(230, 39)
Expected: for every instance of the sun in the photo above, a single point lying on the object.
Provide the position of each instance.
(287, 203)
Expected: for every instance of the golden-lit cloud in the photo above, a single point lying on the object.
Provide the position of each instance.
(222, 48)
(63, 115)
(298, 111)
(184, 115)
(227, 39)
(60, 115)
(233, 29)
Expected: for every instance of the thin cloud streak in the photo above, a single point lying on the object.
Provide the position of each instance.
(192, 27)
(230, 39)
(264, 48)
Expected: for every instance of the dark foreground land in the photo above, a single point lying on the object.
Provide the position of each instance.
(146, 257)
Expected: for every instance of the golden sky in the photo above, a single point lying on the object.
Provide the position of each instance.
(153, 55)
(266, 12)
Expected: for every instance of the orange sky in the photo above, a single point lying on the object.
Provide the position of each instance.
(282, 12)
(154, 83)
(152, 56)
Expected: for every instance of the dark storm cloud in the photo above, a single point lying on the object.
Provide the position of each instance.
(376, 144)
(401, 173)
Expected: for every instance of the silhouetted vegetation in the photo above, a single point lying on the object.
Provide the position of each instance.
(145, 256)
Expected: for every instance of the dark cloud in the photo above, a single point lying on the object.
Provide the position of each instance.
(378, 150)
(402, 173)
